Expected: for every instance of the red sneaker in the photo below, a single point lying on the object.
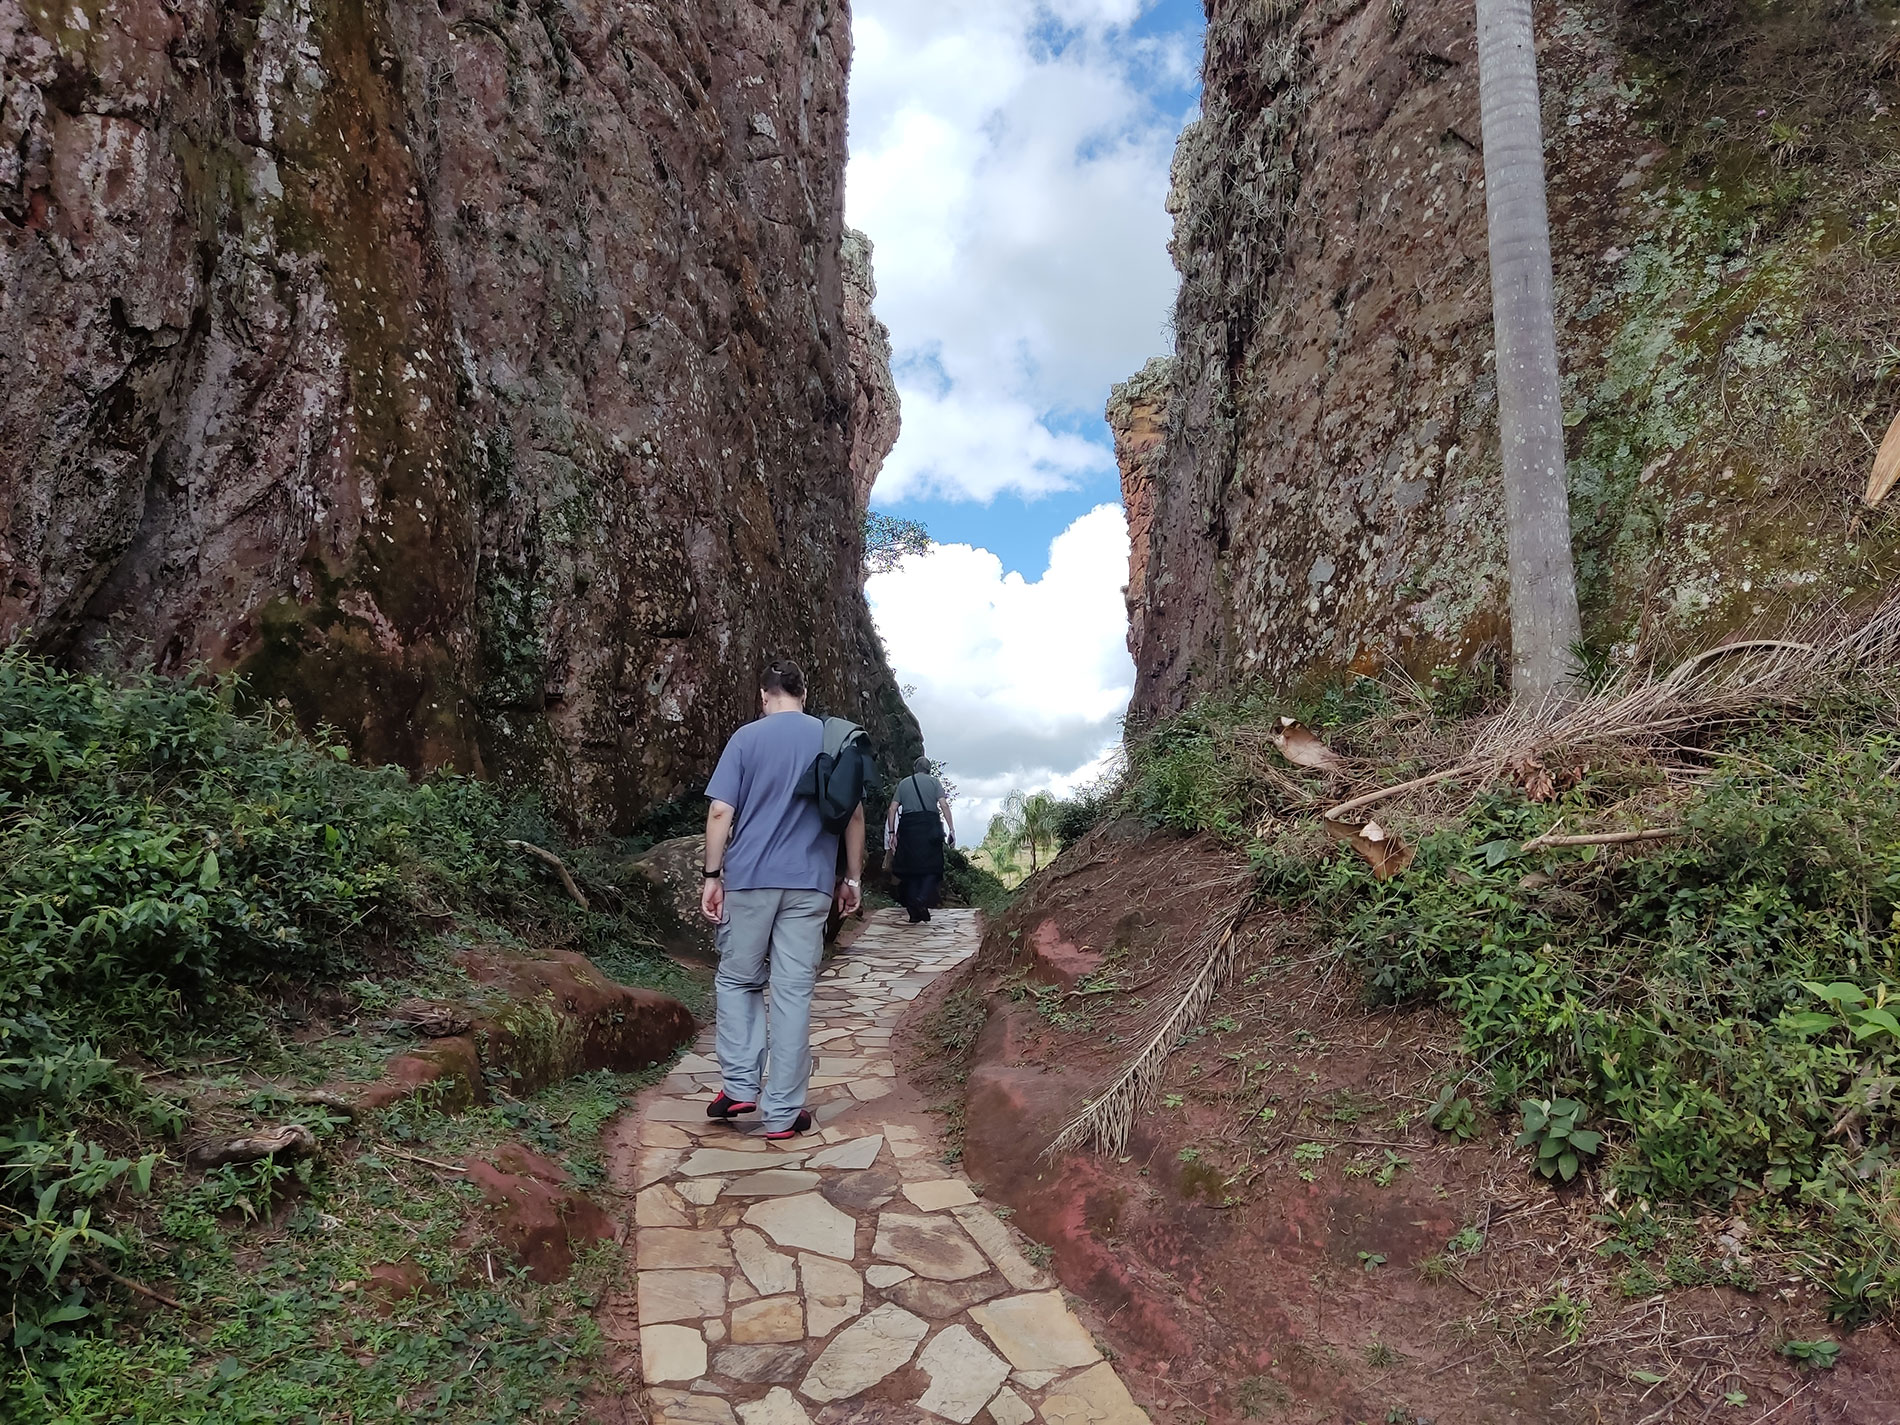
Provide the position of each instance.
(724, 1107)
(800, 1124)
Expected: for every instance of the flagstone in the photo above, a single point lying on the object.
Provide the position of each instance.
(779, 1407)
(1037, 1331)
(834, 1293)
(706, 1161)
(678, 1110)
(806, 1221)
(658, 1247)
(993, 1237)
(963, 1373)
(757, 1365)
(678, 1407)
(671, 1353)
(767, 1320)
(940, 1300)
(933, 1247)
(773, 1182)
(769, 1272)
(745, 1247)
(656, 1163)
(679, 1296)
(1095, 1397)
(660, 1206)
(862, 1354)
(935, 1196)
(853, 1154)
(860, 1192)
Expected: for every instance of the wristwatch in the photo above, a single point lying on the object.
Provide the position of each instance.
(855, 885)
(710, 875)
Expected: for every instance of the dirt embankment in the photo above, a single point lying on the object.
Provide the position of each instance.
(1286, 1236)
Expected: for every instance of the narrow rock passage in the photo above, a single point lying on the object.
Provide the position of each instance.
(847, 1276)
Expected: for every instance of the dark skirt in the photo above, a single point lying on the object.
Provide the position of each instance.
(919, 845)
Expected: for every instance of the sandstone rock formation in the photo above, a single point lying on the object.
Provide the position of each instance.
(1137, 415)
(476, 376)
(875, 408)
(1325, 494)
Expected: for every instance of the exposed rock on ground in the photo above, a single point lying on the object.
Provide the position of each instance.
(542, 1019)
(1327, 497)
(488, 381)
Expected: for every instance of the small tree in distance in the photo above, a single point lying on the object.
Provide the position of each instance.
(1027, 821)
(887, 539)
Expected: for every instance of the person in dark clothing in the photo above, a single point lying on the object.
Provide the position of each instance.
(918, 827)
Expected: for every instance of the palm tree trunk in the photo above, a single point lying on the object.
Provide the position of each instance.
(1544, 621)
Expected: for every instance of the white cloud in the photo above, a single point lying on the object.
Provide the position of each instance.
(1011, 167)
(1017, 684)
(958, 444)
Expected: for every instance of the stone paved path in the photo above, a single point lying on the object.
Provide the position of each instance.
(849, 1275)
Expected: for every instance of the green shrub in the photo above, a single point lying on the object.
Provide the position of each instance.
(164, 861)
(966, 883)
(1723, 1004)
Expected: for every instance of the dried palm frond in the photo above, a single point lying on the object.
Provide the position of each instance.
(1105, 1123)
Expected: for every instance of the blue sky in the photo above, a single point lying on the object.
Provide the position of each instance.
(1009, 161)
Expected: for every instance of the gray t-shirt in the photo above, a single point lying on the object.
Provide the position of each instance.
(778, 843)
(920, 792)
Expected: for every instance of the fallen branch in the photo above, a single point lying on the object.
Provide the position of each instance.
(418, 1158)
(549, 859)
(291, 1139)
(138, 1287)
(1105, 1123)
(1604, 838)
(1335, 813)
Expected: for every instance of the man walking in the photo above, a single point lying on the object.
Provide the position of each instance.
(769, 876)
(920, 815)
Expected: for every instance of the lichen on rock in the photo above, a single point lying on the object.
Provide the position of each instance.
(1325, 495)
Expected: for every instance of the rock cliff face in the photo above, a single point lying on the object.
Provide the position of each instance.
(1325, 495)
(475, 375)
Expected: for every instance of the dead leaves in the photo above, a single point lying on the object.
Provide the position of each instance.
(1538, 782)
(1384, 851)
(1303, 749)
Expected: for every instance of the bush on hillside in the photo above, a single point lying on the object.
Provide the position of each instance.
(966, 883)
(1727, 1002)
(166, 860)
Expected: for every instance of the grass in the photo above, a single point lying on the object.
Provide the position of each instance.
(190, 896)
(1723, 1005)
(281, 1321)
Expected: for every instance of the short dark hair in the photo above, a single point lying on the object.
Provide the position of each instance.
(784, 676)
(921, 765)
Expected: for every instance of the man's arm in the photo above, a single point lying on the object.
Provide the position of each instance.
(949, 823)
(851, 896)
(712, 893)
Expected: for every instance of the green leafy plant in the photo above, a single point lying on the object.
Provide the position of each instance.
(1451, 1113)
(1816, 1355)
(1553, 1128)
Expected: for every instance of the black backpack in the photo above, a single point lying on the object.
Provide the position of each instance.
(839, 774)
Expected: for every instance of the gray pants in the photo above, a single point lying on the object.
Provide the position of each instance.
(790, 925)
